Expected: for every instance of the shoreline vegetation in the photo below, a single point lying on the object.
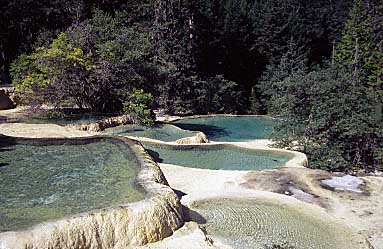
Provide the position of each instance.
(201, 57)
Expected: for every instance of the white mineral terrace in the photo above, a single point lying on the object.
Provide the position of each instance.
(359, 216)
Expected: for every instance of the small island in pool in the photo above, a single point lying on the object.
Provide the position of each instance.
(45, 179)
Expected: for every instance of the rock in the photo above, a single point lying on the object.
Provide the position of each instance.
(103, 124)
(376, 173)
(10, 91)
(301, 195)
(95, 127)
(344, 183)
(199, 138)
(5, 101)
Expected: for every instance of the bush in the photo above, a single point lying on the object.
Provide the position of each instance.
(92, 65)
(138, 107)
(330, 117)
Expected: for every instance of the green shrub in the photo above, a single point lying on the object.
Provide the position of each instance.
(91, 65)
(138, 107)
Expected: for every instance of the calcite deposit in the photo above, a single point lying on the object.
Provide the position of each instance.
(103, 124)
(199, 138)
(132, 224)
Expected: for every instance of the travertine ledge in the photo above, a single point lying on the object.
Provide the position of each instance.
(133, 224)
(103, 124)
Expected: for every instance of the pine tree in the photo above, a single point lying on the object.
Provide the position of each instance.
(360, 50)
(360, 53)
(356, 49)
(375, 9)
(292, 62)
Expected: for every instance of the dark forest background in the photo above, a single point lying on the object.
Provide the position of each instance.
(234, 38)
(317, 65)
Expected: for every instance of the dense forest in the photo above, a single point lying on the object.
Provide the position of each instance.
(316, 65)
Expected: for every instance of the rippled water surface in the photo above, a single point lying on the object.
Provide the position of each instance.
(65, 120)
(225, 157)
(245, 224)
(39, 183)
(230, 128)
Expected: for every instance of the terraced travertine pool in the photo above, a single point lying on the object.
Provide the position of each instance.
(162, 132)
(42, 180)
(255, 224)
(230, 128)
(68, 119)
(217, 128)
(216, 156)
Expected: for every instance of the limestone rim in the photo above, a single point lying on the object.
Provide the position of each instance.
(150, 178)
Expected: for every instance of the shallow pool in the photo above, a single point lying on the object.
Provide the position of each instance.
(162, 132)
(42, 180)
(255, 224)
(230, 128)
(68, 119)
(216, 156)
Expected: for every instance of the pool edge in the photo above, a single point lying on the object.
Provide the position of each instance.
(132, 224)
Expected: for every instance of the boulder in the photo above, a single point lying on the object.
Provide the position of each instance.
(199, 138)
(5, 101)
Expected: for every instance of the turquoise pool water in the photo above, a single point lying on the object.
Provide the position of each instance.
(245, 224)
(162, 132)
(40, 181)
(67, 120)
(66, 117)
(216, 157)
(230, 128)
(219, 128)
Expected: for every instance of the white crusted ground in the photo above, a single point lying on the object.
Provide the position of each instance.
(360, 213)
(345, 183)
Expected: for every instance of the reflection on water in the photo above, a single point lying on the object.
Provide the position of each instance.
(230, 128)
(43, 182)
(222, 128)
(211, 131)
